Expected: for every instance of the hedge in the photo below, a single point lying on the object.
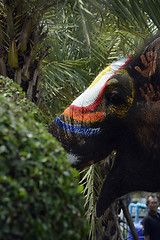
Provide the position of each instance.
(14, 92)
(40, 198)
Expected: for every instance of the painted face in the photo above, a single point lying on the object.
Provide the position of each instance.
(90, 108)
(83, 128)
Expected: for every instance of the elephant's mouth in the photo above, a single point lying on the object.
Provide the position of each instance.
(77, 163)
(80, 162)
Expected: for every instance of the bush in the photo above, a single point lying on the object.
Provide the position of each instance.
(39, 194)
(13, 91)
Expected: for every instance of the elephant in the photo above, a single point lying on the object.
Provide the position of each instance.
(120, 112)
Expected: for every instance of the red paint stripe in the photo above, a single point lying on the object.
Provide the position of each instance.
(97, 102)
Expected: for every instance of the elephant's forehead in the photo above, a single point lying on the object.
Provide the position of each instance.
(92, 96)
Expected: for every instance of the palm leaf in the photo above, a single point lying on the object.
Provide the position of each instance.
(92, 181)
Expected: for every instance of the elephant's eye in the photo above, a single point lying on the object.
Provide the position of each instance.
(115, 98)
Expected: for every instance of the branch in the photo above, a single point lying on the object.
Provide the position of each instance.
(3, 70)
(129, 220)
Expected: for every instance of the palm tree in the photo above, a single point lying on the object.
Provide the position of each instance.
(83, 37)
(22, 43)
(73, 32)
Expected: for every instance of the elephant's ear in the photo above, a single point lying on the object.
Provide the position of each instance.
(146, 67)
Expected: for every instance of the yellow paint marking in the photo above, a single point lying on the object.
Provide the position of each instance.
(122, 109)
(107, 69)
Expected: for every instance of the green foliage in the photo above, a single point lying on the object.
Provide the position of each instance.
(40, 196)
(92, 180)
(13, 91)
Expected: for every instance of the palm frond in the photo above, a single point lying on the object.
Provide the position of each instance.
(135, 14)
(92, 181)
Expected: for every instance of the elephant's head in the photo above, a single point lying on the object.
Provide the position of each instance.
(120, 111)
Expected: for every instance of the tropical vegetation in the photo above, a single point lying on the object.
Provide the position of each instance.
(54, 49)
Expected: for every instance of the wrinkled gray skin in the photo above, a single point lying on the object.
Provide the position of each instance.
(132, 130)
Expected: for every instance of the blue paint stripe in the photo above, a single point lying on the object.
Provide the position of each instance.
(77, 129)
